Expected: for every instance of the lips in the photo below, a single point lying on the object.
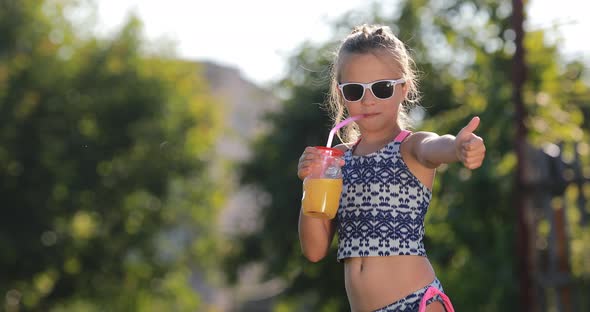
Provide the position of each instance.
(370, 114)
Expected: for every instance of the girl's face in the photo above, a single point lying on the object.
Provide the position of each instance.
(380, 114)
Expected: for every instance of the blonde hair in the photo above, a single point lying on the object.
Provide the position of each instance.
(371, 39)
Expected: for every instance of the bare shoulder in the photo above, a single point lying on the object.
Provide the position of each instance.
(413, 141)
(419, 136)
(409, 149)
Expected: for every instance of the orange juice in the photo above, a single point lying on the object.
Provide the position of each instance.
(321, 197)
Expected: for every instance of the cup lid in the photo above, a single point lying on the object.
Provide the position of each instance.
(330, 151)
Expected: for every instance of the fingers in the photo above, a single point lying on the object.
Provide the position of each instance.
(307, 160)
(473, 152)
(312, 160)
(472, 125)
(470, 148)
(469, 129)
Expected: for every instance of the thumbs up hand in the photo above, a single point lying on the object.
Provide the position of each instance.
(469, 148)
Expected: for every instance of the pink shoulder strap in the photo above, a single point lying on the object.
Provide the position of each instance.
(402, 135)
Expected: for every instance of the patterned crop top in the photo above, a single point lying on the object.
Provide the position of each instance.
(382, 206)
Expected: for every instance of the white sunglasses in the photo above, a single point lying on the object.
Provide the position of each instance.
(381, 89)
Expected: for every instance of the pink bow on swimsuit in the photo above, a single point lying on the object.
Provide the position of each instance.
(432, 292)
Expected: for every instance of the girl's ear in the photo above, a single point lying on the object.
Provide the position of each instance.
(405, 89)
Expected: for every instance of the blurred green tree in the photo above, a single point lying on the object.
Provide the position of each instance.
(464, 51)
(105, 157)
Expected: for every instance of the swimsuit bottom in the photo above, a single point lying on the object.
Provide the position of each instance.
(411, 302)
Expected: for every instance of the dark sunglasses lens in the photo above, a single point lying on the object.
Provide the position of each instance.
(383, 89)
(353, 92)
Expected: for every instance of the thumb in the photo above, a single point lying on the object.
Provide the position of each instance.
(471, 126)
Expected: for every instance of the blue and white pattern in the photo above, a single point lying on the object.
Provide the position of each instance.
(382, 206)
(411, 302)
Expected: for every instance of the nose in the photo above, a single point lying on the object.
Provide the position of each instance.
(368, 98)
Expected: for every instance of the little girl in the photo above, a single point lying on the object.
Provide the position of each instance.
(388, 175)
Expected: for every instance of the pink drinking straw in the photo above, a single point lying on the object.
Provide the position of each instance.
(340, 125)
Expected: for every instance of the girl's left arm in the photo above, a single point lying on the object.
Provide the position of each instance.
(432, 150)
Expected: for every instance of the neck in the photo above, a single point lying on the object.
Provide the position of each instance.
(381, 137)
(371, 141)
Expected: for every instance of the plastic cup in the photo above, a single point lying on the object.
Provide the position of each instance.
(323, 186)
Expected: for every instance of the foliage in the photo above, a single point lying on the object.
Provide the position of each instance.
(463, 50)
(104, 157)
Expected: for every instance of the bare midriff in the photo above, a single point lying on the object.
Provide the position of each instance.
(375, 282)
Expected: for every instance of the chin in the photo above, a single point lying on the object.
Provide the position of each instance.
(377, 123)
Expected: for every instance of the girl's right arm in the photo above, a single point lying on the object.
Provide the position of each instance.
(315, 235)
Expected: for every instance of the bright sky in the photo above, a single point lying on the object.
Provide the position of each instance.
(256, 36)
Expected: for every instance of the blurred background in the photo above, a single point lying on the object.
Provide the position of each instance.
(148, 151)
